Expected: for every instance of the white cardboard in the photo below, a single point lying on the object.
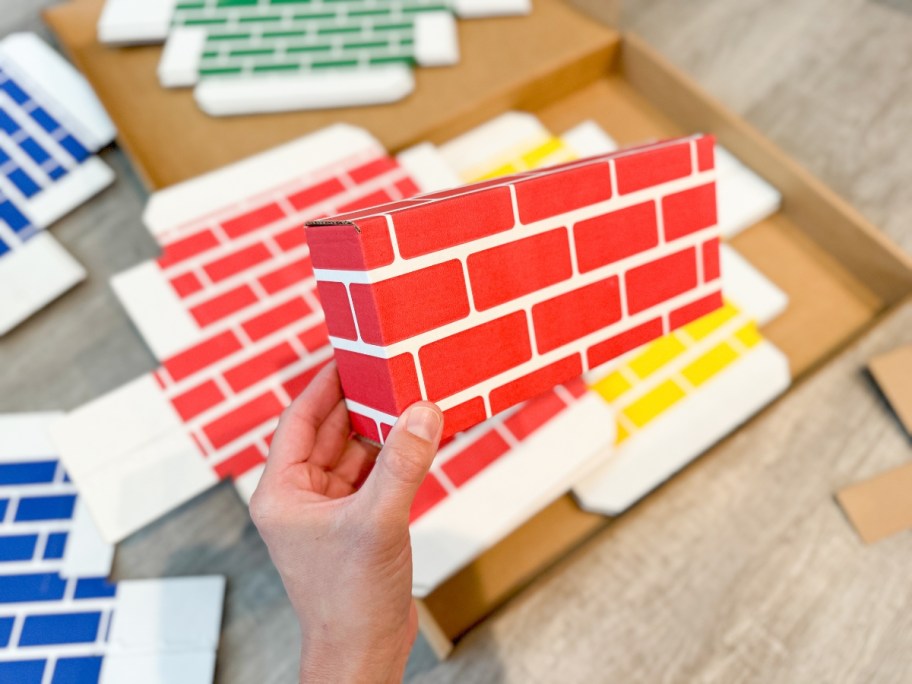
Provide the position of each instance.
(744, 197)
(508, 492)
(749, 289)
(75, 188)
(476, 9)
(26, 436)
(135, 21)
(436, 39)
(588, 139)
(196, 667)
(179, 65)
(177, 614)
(212, 191)
(427, 167)
(34, 275)
(239, 95)
(87, 554)
(678, 436)
(139, 468)
(63, 89)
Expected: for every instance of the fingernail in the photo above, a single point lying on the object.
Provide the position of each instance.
(423, 422)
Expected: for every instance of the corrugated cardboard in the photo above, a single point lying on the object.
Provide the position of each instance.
(880, 507)
(893, 373)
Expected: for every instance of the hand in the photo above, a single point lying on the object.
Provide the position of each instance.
(335, 516)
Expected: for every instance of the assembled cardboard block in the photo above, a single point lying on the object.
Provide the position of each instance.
(482, 297)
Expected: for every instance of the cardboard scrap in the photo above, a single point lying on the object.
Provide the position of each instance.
(50, 124)
(880, 507)
(893, 373)
(60, 619)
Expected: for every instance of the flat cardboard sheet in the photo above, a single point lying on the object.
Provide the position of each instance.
(880, 507)
(171, 140)
(893, 373)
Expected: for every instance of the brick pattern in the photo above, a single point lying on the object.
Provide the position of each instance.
(586, 297)
(243, 275)
(656, 378)
(468, 455)
(52, 628)
(252, 37)
(36, 151)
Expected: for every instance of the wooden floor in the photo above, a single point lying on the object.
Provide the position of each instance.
(740, 570)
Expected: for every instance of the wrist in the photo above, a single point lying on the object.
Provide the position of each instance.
(351, 661)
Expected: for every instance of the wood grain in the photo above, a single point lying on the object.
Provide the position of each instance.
(740, 570)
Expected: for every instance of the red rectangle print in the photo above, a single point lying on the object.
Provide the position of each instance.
(488, 295)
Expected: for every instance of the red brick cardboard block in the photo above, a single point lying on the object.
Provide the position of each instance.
(484, 296)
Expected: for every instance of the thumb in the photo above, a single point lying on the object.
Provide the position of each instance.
(405, 459)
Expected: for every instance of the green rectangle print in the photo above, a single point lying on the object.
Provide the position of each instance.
(270, 37)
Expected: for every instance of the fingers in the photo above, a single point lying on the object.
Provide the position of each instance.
(332, 436)
(356, 462)
(297, 431)
(404, 461)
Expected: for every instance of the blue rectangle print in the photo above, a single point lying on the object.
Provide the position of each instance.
(44, 586)
(63, 628)
(77, 670)
(17, 547)
(15, 91)
(45, 508)
(94, 587)
(14, 218)
(22, 671)
(35, 472)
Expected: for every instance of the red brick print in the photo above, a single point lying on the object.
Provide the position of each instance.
(242, 420)
(533, 415)
(464, 359)
(364, 426)
(689, 211)
(434, 226)
(371, 211)
(385, 430)
(576, 387)
(239, 261)
(627, 341)
(711, 267)
(276, 318)
(286, 276)
(430, 493)
(321, 192)
(203, 354)
(695, 310)
(224, 305)
(339, 319)
(183, 249)
(260, 367)
(611, 237)
(464, 416)
(373, 169)
(660, 280)
(706, 153)
(242, 462)
(291, 238)
(474, 458)
(185, 285)
(407, 305)
(193, 402)
(575, 314)
(372, 200)
(652, 167)
(253, 220)
(518, 268)
(300, 382)
(557, 193)
(351, 248)
(407, 187)
(535, 383)
(387, 385)
(315, 338)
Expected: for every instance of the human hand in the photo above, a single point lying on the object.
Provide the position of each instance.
(335, 517)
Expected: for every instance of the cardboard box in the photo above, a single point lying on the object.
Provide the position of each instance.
(487, 295)
(839, 272)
